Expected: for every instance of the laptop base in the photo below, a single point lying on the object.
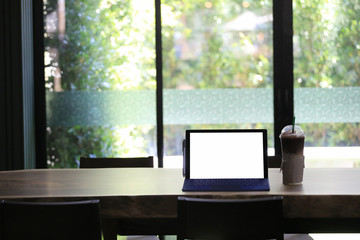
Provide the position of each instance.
(226, 185)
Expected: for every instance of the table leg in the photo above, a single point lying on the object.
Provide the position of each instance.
(109, 229)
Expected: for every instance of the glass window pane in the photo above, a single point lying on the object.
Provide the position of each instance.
(327, 86)
(217, 67)
(100, 79)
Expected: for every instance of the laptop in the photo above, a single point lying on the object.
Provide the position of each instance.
(225, 160)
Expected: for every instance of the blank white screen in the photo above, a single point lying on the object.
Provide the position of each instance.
(226, 155)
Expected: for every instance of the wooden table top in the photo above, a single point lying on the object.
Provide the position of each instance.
(152, 192)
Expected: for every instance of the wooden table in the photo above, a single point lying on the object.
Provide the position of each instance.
(327, 201)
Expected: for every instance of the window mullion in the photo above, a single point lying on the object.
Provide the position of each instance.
(159, 86)
(283, 68)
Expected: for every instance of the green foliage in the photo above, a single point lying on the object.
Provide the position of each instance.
(66, 145)
(221, 64)
(347, 42)
(103, 36)
(327, 54)
(332, 134)
(326, 46)
(110, 45)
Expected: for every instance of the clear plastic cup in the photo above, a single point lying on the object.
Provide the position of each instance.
(292, 148)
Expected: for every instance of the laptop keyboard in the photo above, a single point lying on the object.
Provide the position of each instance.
(226, 185)
(221, 182)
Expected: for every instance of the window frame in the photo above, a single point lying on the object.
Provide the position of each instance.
(283, 89)
(39, 84)
(283, 69)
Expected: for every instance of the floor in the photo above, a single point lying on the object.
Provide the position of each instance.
(314, 236)
(335, 236)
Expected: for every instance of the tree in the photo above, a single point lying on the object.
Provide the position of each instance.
(109, 45)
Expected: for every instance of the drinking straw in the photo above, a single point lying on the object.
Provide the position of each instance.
(293, 125)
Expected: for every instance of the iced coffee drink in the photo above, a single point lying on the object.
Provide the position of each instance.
(292, 148)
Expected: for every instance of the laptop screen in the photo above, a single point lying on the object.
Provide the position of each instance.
(225, 154)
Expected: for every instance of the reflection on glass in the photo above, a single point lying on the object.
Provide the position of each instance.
(217, 58)
(100, 79)
(327, 73)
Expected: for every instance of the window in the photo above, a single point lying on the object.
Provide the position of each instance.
(327, 73)
(100, 79)
(217, 68)
(217, 65)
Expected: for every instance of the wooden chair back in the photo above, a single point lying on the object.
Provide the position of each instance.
(116, 162)
(274, 161)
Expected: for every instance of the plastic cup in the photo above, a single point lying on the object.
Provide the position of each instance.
(292, 148)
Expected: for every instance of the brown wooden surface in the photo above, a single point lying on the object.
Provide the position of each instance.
(141, 193)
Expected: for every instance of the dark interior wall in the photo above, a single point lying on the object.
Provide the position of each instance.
(11, 100)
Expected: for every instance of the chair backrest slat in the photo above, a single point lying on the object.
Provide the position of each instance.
(116, 162)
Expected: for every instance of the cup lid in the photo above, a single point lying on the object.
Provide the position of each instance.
(288, 130)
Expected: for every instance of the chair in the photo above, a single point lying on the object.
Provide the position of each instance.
(116, 162)
(50, 220)
(122, 227)
(274, 161)
(258, 218)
